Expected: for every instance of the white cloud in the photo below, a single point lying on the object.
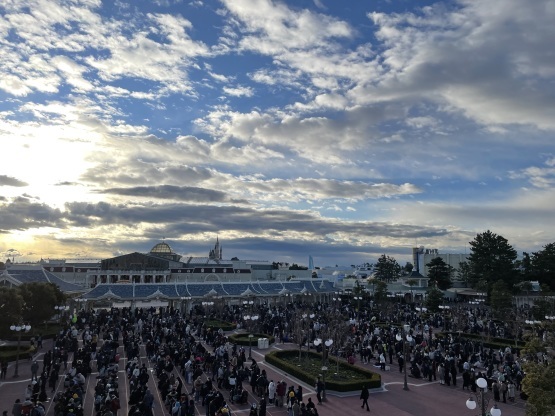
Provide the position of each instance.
(239, 91)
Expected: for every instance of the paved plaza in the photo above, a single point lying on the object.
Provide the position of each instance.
(422, 398)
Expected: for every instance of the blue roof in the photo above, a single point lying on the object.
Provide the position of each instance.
(39, 275)
(199, 290)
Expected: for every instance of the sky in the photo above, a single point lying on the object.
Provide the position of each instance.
(341, 130)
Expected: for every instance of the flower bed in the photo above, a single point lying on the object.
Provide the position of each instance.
(349, 377)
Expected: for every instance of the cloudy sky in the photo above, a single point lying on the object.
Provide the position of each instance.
(338, 129)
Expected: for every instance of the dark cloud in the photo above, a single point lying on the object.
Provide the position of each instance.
(23, 214)
(180, 193)
(184, 219)
(66, 183)
(11, 181)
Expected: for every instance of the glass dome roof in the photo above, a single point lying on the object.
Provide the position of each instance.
(161, 248)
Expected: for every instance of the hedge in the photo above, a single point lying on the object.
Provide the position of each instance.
(367, 378)
(49, 332)
(9, 352)
(243, 339)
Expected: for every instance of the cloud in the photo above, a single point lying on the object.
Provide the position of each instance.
(23, 214)
(239, 91)
(472, 60)
(176, 193)
(10, 181)
(539, 177)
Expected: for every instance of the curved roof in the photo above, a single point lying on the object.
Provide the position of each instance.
(32, 273)
(161, 248)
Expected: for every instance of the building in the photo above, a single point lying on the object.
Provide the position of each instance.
(424, 256)
(18, 274)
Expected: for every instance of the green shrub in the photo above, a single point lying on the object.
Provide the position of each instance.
(48, 332)
(243, 339)
(352, 378)
(9, 352)
(216, 324)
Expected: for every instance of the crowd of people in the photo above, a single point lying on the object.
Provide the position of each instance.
(197, 367)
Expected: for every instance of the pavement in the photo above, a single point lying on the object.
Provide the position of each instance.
(421, 398)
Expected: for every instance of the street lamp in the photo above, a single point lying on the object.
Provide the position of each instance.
(358, 299)
(251, 336)
(19, 329)
(444, 308)
(471, 403)
(326, 344)
(405, 337)
(61, 309)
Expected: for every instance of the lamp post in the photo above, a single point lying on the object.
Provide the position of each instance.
(61, 309)
(481, 395)
(324, 371)
(444, 308)
(358, 299)
(405, 337)
(19, 329)
(251, 336)
(327, 344)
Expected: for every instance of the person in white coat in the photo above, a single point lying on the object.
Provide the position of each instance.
(271, 391)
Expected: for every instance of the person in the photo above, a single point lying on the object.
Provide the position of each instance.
(16, 409)
(262, 407)
(34, 370)
(364, 395)
(382, 361)
(511, 388)
(4, 369)
(319, 389)
(272, 391)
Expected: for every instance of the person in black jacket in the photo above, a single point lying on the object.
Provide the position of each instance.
(364, 395)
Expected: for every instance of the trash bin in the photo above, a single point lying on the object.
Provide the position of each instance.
(260, 343)
(266, 343)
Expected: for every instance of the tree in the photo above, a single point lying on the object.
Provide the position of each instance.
(539, 383)
(492, 259)
(295, 266)
(464, 272)
(542, 306)
(380, 291)
(11, 304)
(439, 272)
(501, 299)
(542, 265)
(434, 299)
(407, 268)
(39, 300)
(387, 269)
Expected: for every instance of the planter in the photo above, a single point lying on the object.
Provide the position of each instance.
(351, 378)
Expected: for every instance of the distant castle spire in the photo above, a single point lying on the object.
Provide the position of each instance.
(216, 252)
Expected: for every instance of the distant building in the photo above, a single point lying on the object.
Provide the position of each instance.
(18, 274)
(162, 265)
(424, 256)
